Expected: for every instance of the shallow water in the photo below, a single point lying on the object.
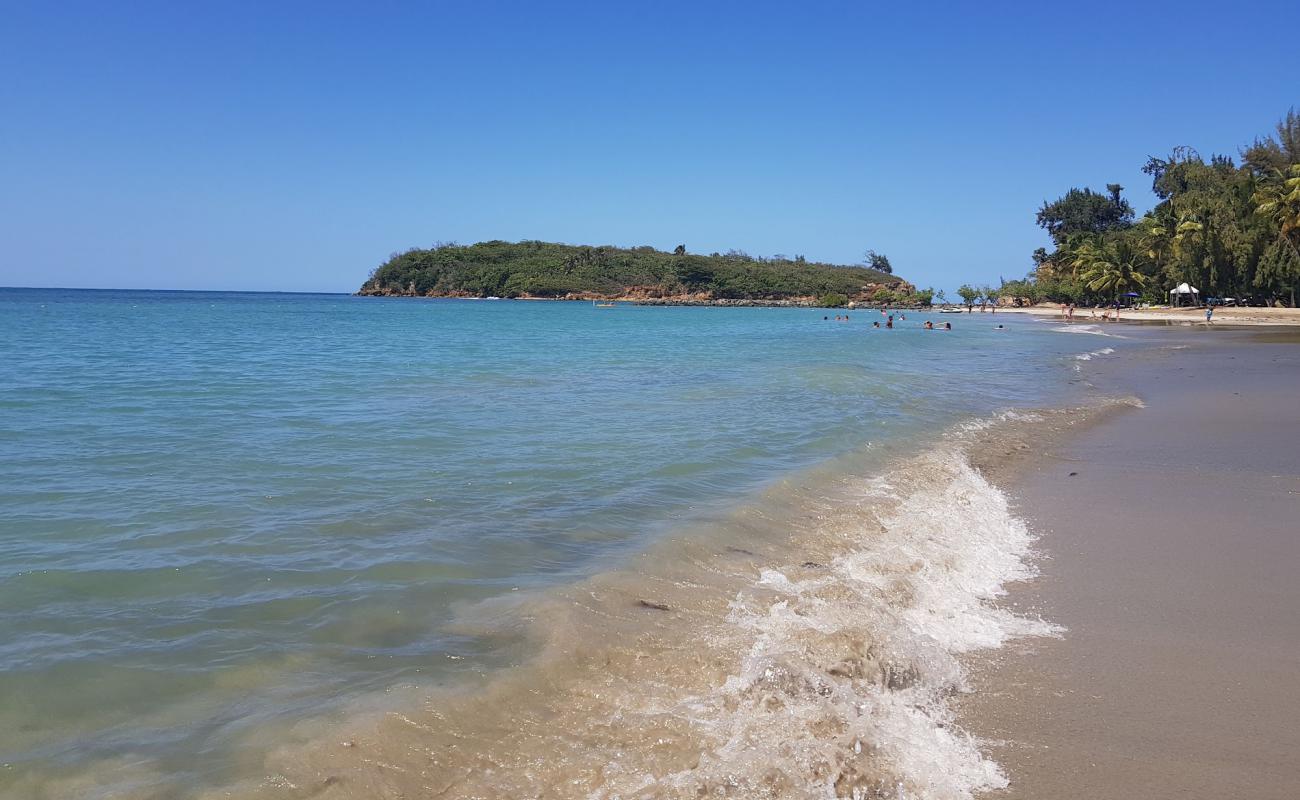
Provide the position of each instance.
(228, 516)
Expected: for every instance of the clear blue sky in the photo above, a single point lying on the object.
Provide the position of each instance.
(293, 146)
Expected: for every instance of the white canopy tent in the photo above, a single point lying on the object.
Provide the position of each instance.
(1182, 290)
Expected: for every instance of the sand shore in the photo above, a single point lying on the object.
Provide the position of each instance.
(1174, 563)
(1190, 316)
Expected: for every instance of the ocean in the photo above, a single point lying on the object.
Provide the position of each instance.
(281, 545)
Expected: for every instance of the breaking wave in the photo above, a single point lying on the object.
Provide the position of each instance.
(1105, 351)
(1094, 330)
(806, 646)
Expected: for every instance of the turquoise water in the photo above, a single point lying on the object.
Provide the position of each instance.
(222, 511)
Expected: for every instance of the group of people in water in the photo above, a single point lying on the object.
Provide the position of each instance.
(889, 321)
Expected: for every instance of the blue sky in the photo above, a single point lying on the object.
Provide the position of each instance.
(294, 146)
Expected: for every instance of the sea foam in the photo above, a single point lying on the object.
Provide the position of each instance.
(844, 690)
(1105, 351)
(810, 648)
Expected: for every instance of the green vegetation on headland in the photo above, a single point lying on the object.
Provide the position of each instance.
(574, 272)
(1229, 229)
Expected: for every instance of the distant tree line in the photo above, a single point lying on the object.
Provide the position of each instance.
(1231, 228)
(544, 269)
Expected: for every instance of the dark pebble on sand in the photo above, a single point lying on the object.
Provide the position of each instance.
(655, 606)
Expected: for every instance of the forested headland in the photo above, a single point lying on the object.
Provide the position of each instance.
(532, 269)
(1228, 226)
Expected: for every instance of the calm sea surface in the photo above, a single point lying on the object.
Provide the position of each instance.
(223, 511)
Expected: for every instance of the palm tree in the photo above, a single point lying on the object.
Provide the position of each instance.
(1080, 255)
(1113, 269)
(1159, 243)
(1279, 202)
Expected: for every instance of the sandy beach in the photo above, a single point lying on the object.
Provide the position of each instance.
(1190, 316)
(1172, 556)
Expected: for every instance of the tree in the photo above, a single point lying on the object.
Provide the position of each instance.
(1114, 268)
(1027, 290)
(1270, 154)
(879, 261)
(1159, 241)
(1085, 211)
(924, 297)
(1279, 202)
(969, 294)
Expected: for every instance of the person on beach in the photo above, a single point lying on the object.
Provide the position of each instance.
(1209, 312)
(889, 322)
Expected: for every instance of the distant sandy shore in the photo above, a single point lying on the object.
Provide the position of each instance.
(1173, 564)
(1227, 316)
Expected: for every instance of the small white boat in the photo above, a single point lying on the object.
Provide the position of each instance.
(951, 311)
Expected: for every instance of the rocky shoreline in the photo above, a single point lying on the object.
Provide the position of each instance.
(641, 300)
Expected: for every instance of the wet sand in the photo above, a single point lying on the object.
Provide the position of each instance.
(1172, 536)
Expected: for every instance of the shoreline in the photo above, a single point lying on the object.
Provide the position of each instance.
(1171, 566)
(647, 647)
(811, 641)
(683, 301)
(1225, 316)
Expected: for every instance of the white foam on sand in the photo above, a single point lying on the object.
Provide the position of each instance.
(845, 689)
(800, 679)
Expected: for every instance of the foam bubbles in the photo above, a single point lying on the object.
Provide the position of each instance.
(807, 649)
(1105, 351)
(846, 683)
